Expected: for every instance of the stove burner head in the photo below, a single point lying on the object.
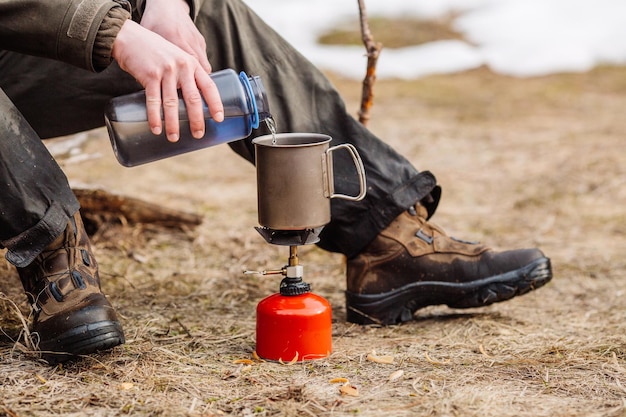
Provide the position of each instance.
(290, 237)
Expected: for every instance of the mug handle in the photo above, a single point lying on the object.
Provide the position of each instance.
(358, 163)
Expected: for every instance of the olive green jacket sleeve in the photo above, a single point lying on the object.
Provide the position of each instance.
(64, 30)
(79, 32)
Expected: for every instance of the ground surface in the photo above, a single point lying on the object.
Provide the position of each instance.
(535, 162)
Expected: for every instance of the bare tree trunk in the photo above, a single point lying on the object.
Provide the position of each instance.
(373, 51)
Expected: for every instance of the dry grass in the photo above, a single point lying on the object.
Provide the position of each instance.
(537, 162)
(405, 32)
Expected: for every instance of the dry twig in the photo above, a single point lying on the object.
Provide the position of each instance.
(373, 51)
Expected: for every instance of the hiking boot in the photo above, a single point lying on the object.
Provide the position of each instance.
(71, 315)
(413, 264)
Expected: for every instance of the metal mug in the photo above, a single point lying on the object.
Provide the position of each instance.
(295, 179)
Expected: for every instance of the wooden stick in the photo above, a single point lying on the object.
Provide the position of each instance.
(101, 206)
(373, 51)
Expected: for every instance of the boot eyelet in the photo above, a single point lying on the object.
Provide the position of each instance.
(78, 280)
(85, 256)
(424, 237)
(56, 293)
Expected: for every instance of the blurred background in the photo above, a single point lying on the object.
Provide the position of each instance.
(511, 37)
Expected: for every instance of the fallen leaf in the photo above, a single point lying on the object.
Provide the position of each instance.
(395, 375)
(126, 386)
(373, 357)
(347, 389)
(244, 361)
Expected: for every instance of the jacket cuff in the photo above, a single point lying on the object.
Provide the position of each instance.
(109, 28)
(194, 6)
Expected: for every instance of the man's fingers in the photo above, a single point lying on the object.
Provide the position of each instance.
(153, 108)
(170, 108)
(212, 97)
(195, 110)
(163, 102)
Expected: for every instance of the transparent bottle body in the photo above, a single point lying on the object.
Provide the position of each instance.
(245, 105)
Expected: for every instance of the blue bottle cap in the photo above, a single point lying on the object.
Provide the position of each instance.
(255, 111)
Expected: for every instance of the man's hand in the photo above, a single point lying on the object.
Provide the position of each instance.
(162, 67)
(171, 19)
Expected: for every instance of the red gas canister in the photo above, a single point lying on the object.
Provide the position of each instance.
(294, 324)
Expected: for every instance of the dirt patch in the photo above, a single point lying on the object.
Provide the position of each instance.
(533, 162)
(405, 32)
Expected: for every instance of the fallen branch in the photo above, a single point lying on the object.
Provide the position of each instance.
(373, 51)
(100, 206)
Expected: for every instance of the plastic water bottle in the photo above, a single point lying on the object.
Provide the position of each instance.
(245, 106)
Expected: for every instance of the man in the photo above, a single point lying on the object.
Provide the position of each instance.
(62, 60)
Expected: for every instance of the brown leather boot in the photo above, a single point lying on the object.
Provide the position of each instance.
(413, 264)
(71, 315)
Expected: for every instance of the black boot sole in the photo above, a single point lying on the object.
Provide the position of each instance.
(82, 340)
(398, 306)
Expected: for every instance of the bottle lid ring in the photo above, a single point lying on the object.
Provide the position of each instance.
(255, 111)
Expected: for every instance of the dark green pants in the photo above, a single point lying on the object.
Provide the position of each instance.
(46, 98)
